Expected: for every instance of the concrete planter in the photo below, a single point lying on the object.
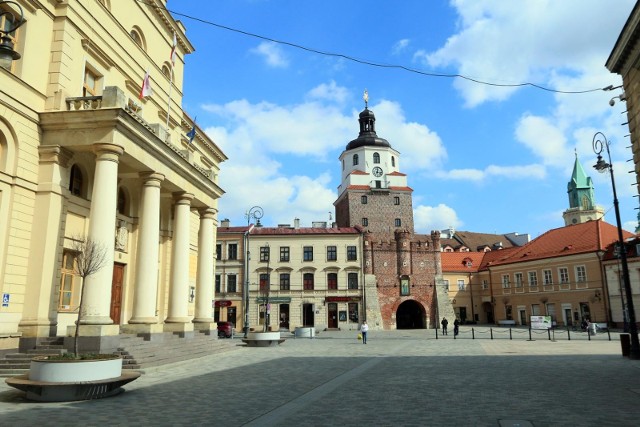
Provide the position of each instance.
(263, 339)
(70, 380)
(304, 332)
(65, 371)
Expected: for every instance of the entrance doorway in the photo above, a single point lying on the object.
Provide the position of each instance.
(307, 315)
(284, 317)
(332, 319)
(231, 315)
(523, 317)
(487, 307)
(410, 315)
(116, 293)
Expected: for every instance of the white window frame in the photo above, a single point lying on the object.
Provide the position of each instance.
(533, 278)
(505, 281)
(563, 275)
(517, 278)
(461, 286)
(547, 275)
(581, 274)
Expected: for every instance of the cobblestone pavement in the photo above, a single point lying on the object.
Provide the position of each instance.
(400, 378)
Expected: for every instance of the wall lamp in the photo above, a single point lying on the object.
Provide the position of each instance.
(7, 54)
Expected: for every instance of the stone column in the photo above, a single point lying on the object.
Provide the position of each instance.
(178, 316)
(204, 281)
(40, 310)
(102, 225)
(144, 319)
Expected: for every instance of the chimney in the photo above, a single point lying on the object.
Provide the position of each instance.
(296, 223)
(225, 223)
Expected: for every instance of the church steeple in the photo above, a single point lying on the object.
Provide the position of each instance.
(582, 205)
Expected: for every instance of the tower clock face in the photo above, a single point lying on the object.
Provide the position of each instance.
(377, 171)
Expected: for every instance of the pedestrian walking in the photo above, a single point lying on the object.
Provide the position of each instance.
(456, 324)
(444, 324)
(364, 329)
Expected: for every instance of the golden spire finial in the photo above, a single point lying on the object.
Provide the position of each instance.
(366, 98)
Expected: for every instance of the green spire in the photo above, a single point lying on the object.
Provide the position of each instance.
(580, 188)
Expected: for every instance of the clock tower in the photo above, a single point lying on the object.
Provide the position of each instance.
(373, 193)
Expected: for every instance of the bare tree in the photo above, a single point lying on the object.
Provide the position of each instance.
(90, 257)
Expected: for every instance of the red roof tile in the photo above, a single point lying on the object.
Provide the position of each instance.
(573, 239)
(457, 261)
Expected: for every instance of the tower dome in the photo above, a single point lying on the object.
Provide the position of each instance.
(367, 136)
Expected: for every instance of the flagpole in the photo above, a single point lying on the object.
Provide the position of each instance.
(169, 101)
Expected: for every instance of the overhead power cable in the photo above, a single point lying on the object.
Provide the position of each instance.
(372, 63)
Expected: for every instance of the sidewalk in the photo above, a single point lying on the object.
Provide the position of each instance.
(400, 378)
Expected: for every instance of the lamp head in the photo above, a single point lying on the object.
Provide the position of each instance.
(601, 166)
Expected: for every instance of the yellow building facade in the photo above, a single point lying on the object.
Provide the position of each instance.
(84, 156)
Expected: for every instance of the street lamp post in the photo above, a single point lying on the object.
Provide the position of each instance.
(7, 54)
(256, 213)
(602, 166)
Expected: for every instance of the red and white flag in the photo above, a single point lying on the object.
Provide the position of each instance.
(146, 86)
(174, 50)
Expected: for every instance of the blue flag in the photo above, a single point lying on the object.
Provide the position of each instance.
(192, 132)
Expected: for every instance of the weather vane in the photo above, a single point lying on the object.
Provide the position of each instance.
(366, 98)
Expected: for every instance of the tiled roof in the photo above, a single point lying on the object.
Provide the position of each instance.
(477, 241)
(573, 239)
(457, 261)
(279, 231)
(395, 173)
(496, 257)
(359, 172)
(233, 229)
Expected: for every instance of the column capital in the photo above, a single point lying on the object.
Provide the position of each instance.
(183, 198)
(54, 154)
(151, 179)
(108, 151)
(207, 213)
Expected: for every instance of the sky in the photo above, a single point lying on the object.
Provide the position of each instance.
(278, 86)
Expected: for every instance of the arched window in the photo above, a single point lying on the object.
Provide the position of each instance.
(138, 37)
(393, 161)
(376, 158)
(166, 71)
(76, 181)
(355, 160)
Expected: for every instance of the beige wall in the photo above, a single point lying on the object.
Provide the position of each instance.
(43, 133)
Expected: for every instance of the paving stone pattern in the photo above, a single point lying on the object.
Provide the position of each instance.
(400, 378)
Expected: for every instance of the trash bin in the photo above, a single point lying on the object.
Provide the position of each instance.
(625, 342)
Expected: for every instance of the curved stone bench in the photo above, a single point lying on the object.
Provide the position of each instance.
(71, 391)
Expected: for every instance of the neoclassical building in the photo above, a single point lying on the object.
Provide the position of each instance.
(85, 153)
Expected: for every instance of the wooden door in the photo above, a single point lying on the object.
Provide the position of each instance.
(116, 292)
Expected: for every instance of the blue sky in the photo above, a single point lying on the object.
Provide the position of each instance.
(478, 157)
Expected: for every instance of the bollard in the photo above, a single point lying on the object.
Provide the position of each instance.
(436, 333)
(549, 333)
(473, 334)
(510, 337)
(568, 335)
(530, 339)
(491, 330)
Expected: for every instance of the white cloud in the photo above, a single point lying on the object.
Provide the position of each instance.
(510, 172)
(534, 50)
(429, 218)
(400, 46)
(329, 92)
(272, 54)
(544, 139)
(420, 147)
(316, 130)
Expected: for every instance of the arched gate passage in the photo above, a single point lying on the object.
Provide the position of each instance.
(410, 315)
